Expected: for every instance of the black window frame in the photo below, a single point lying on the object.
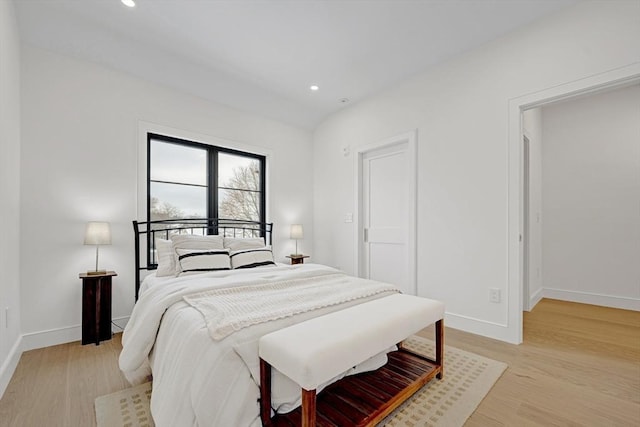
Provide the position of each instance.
(212, 178)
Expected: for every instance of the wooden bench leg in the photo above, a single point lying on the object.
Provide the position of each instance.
(440, 347)
(308, 408)
(265, 393)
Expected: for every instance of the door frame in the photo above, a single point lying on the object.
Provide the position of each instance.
(409, 138)
(526, 217)
(616, 78)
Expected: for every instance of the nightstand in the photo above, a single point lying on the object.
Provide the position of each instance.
(96, 307)
(297, 259)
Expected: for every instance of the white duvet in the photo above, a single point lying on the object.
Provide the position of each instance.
(198, 381)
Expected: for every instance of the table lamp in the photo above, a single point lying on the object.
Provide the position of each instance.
(296, 234)
(97, 233)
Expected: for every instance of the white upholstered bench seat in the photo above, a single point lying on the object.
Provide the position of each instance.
(317, 350)
(314, 351)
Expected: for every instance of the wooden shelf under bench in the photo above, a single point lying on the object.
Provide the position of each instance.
(366, 399)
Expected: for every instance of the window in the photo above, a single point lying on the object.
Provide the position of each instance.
(193, 180)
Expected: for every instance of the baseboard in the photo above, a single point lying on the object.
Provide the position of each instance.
(535, 298)
(592, 298)
(476, 326)
(41, 339)
(9, 366)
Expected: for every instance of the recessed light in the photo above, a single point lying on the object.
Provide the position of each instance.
(314, 87)
(128, 3)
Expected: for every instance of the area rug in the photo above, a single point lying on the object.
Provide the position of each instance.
(125, 408)
(446, 403)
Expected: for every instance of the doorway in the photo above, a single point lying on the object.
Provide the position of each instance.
(386, 184)
(609, 80)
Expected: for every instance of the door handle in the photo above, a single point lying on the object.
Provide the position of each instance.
(366, 235)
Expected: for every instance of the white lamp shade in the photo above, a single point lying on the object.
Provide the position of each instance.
(97, 233)
(296, 231)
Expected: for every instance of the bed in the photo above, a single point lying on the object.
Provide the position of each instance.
(200, 349)
(212, 290)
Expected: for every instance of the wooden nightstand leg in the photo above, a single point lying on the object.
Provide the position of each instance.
(98, 292)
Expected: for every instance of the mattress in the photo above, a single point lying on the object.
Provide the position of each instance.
(199, 380)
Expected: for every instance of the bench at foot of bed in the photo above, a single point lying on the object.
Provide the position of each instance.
(313, 352)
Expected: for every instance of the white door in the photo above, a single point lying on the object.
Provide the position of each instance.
(387, 222)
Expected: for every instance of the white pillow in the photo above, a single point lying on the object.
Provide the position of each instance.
(201, 260)
(165, 257)
(236, 244)
(194, 241)
(249, 258)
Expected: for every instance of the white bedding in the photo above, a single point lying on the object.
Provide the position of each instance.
(199, 381)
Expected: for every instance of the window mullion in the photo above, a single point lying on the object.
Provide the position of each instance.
(148, 183)
(263, 191)
(212, 194)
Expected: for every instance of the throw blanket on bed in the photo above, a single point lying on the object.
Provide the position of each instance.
(228, 310)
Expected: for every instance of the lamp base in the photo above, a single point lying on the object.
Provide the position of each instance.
(96, 272)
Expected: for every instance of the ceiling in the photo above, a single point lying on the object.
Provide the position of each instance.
(261, 56)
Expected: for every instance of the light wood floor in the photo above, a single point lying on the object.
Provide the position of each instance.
(579, 365)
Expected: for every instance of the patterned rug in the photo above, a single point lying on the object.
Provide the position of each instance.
(126, 408)
(449, 402)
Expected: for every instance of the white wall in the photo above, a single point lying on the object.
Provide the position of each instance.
(460, 109)
(532, 129)
(79, 163)
(591, 197)
(9, 193)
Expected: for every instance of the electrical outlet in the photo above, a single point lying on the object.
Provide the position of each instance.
(494, 295)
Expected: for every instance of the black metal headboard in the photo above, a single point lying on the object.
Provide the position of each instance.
(163, 229)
